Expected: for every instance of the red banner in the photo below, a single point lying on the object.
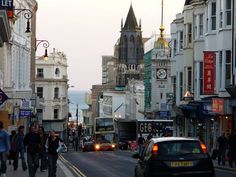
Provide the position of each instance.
(209, 73)
(218, 105)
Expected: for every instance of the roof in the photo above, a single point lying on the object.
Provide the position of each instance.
(164, 139)
(131, 22)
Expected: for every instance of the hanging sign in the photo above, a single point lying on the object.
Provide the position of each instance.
(209, 73)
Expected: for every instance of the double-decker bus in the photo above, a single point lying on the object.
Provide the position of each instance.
(104, 133)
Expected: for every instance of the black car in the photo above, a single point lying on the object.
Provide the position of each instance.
(174, 156)
(88, 144)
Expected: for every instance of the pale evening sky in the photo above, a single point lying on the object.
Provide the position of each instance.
(87, 29)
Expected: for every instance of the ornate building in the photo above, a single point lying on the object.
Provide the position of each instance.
(130, 51)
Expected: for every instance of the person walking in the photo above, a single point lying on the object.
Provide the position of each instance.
(53, 145)
(141, 141)
(4, 149)
(222, 146)
(33, 143)
(232, 149)
(20, 148)
(43, 154)
(12, 152)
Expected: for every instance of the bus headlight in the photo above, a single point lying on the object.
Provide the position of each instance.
(97, 146)
(113, 146)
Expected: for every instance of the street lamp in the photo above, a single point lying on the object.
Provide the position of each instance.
(46, 44)
(28, 14)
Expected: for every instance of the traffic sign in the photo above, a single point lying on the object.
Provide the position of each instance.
(3, 97)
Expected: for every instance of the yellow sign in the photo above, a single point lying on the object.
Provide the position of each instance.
(9, 107)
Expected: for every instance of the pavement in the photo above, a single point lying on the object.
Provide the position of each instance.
(62, 171)
(224, 167)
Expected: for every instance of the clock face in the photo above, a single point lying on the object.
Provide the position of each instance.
(161, 74)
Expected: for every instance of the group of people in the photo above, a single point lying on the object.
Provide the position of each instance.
(227, 148)
(37, 144)
(141, 143)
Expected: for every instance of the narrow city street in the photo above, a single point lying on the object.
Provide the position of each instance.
(109, 164)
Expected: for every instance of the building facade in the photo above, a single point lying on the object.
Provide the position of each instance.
(52, 92)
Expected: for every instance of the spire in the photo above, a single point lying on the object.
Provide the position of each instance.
(162, 26)
(131, 22)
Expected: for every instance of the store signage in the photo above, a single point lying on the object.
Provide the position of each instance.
(7, 5)
(209, 73)
(25, 113)
(3, 97)
(218, 105)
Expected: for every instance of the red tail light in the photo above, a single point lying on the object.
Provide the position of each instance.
(155, 149)
(204, 148)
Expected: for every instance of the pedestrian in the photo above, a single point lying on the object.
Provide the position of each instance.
(4, 149)
(33, 143)
(12, 152)
(222, 146)
(20, 148)
(53, 145)
(141, 141)
(232, 149)
(43, 154)
(149, 137)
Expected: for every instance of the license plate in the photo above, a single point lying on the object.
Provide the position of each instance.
(181, 164)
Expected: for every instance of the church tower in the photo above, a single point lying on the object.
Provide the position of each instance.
(130, 51)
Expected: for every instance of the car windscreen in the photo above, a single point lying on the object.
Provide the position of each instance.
(179, 147)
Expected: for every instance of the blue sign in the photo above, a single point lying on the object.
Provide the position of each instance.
(164, 114)
(25, 113)
(3, 97)
(6, 4)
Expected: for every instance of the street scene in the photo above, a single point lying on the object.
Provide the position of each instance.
(111, 88)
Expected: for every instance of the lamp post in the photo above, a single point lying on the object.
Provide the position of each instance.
(46, 44)
(28, 14)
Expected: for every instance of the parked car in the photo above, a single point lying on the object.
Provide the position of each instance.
(174, 156)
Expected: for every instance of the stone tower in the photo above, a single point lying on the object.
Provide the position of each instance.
(130, 51)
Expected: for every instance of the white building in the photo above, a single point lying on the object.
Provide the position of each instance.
(134, 100)
(203, 28)
(52, 91)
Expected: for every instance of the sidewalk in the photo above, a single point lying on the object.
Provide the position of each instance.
(223, 167)
(62, 171)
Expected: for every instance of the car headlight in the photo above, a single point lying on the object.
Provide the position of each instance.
(97, 146)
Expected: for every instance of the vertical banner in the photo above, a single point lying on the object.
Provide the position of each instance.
(209, 73)
(218, 105)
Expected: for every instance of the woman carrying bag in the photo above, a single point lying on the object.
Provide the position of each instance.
(53, 146)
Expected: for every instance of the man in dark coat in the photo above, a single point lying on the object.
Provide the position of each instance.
(33, 143)
(232, 149)
(222, 144)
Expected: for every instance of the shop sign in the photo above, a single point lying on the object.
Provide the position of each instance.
(7, 5)
(25, 113)
(164, 114)
(209, 72)
(218, 105)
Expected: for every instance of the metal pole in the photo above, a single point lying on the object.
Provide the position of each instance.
(77, 128)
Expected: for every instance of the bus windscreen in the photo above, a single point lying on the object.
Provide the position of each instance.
(104, 124)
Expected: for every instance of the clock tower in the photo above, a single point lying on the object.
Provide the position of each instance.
(161, 80)
(130, 51)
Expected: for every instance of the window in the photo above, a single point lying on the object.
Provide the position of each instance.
(40, 92)
(195, 27)
(189, 79)
(213, 16)
(228, 12)
(57, 72)
(181, 40)
(181, 85)
(175, 46)
(201, 78)
(221, 20)
(56, 116)
(56, 92)
(40, 73)
(189, 33)
(227, 68)
(201, 25)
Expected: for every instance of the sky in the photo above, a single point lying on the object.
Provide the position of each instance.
(85, 30)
